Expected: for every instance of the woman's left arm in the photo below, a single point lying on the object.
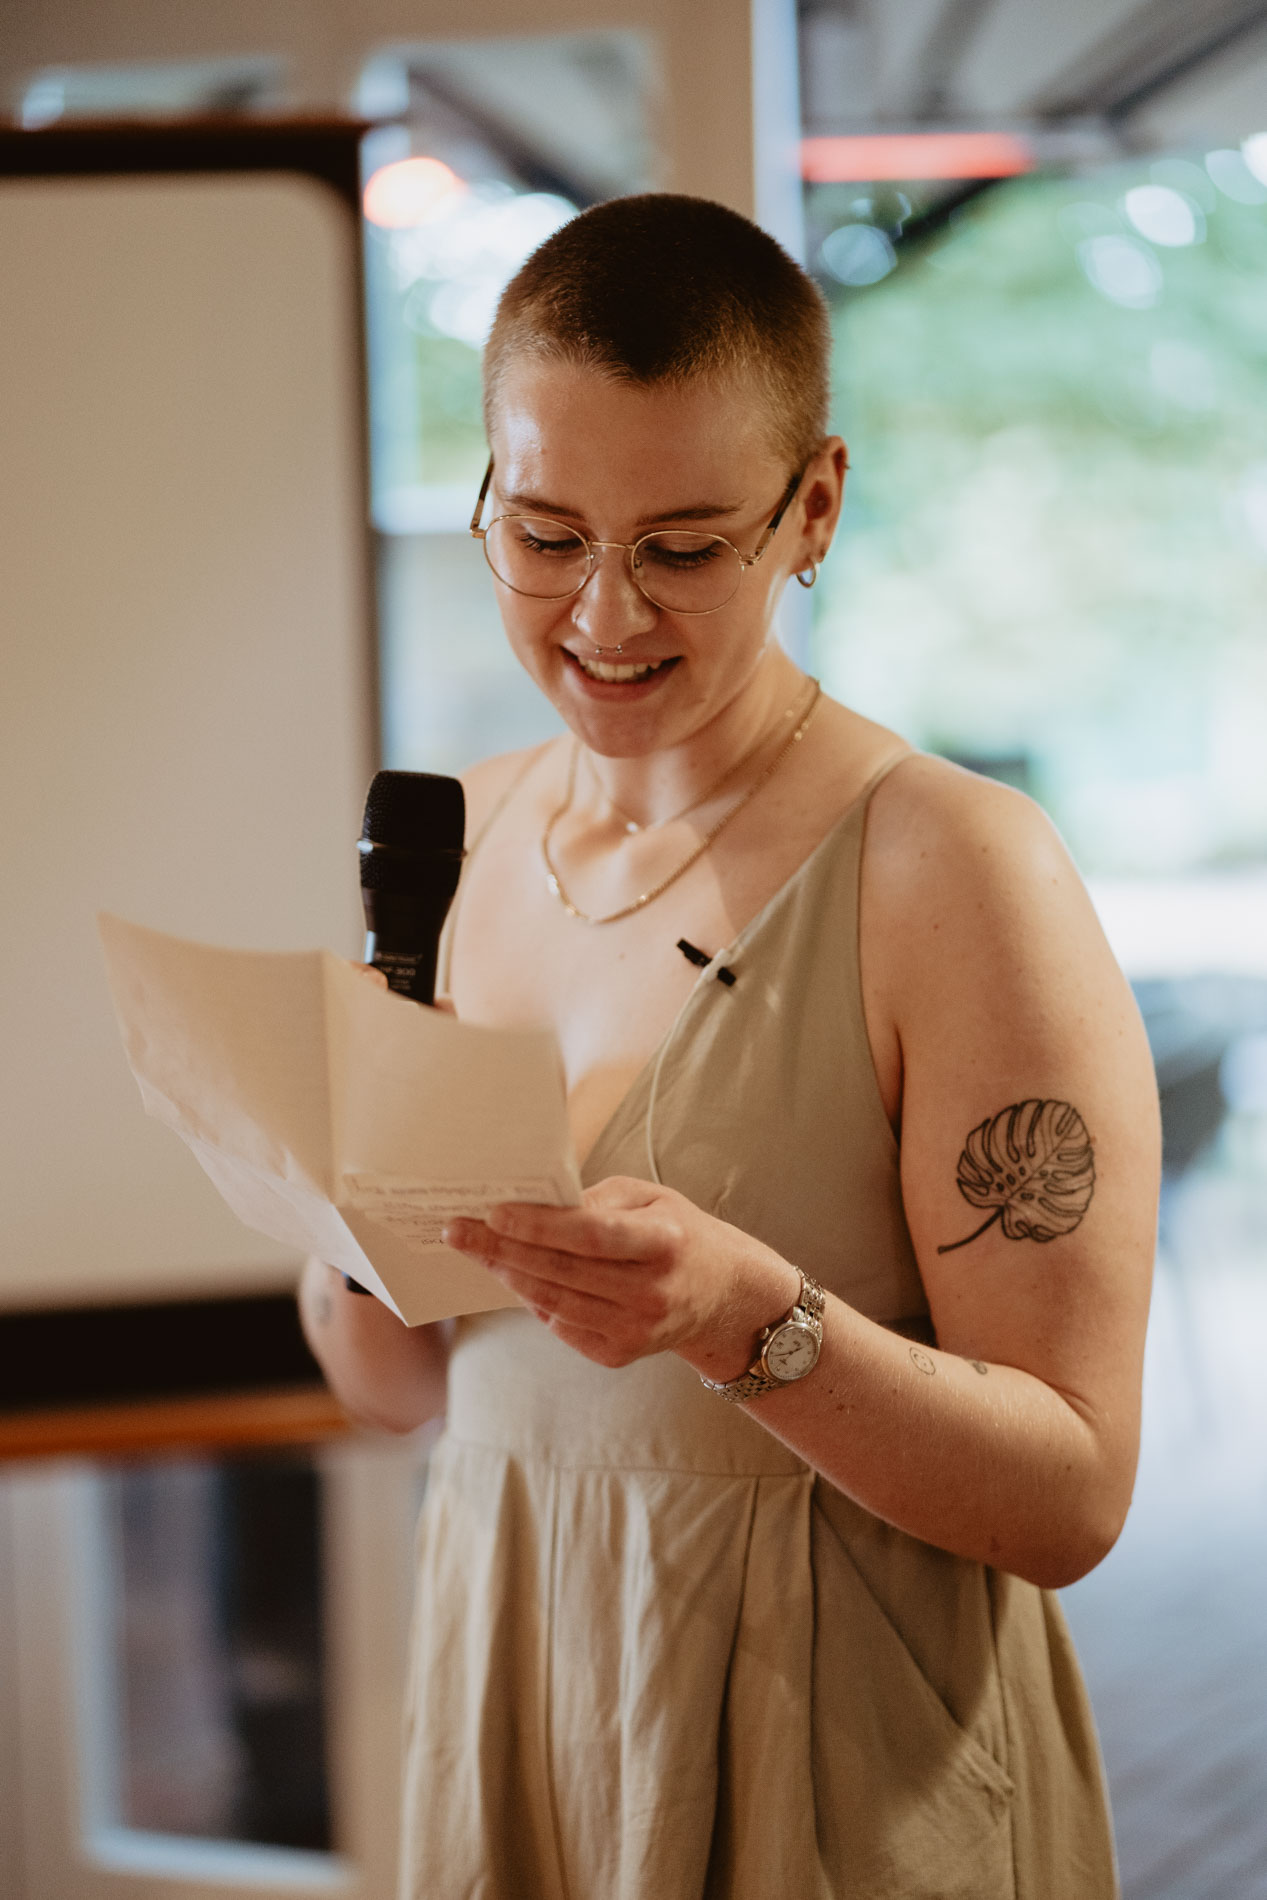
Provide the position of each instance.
(1030, 1158)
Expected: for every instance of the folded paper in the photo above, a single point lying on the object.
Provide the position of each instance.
(338, 1118)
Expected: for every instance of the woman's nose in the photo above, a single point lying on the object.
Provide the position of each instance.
(610, 609)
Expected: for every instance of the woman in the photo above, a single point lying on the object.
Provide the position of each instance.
(735, 1549)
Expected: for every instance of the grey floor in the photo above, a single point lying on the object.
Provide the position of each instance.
(1172, 1628)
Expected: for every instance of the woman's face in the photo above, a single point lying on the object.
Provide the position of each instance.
(615, 461)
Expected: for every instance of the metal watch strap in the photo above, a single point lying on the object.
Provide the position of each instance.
(756, 1380)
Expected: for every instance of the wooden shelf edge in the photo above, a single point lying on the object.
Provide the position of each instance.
(224, 1421)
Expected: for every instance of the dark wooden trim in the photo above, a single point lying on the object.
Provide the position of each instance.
(325, 149)
(219, 1422)
(178, 1349)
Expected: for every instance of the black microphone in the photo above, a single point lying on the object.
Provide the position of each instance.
(411, 859)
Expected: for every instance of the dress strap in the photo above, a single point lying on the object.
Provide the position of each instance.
(504, 798)
(881, 772)
(499, 805)
(859, 802)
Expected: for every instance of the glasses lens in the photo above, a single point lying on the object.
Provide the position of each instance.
(537, 557)
(687, 573)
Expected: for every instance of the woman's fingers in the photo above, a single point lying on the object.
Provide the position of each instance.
(553, 1301)
(545, 1266)
(595, 1232)
(443, 1003)
(375, 976)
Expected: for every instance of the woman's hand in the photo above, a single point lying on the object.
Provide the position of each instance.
(444, 1003)
(636, 1269)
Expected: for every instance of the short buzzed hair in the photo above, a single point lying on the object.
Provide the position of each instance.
(663, 288)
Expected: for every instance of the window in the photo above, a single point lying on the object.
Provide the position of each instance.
(492, 145)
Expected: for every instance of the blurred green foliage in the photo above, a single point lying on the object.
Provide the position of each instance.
(1055, 542)
(451, 446)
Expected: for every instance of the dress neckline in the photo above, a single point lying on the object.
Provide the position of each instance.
(740, 941)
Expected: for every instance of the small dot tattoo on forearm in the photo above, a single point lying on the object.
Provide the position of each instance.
(979, 1365)
(922, 1363)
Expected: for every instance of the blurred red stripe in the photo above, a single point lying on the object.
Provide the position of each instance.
(872, 156)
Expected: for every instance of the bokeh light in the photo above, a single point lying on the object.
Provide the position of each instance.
(858, 254)
(1254, 152)
(408, 192)
(1164, 216)
(1121, 269)
(1232, 174)
(452, 268)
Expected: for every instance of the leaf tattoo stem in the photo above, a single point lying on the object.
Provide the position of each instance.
(1033, 1165)
(974, 1235)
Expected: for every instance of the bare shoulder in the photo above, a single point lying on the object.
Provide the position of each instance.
(974, 910)
(488, 782)
(944, 844)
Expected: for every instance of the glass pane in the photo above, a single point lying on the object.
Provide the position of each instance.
(218, 1631)
(1056, 540)
(498, 143)
(157, 89)
(1051, 568)
(452, 690)
(494, 145)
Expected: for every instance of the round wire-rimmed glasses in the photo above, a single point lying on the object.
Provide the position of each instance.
(677, 569)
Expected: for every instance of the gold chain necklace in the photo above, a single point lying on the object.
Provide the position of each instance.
(632, 825)
(552, 876)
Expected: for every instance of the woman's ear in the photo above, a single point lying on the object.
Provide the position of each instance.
(822, 495)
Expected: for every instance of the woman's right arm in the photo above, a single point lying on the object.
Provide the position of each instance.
(387, 1375)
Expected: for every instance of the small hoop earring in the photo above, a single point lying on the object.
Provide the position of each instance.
(813, 576)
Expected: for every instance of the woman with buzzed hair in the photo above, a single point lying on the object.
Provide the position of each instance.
(735, 1559)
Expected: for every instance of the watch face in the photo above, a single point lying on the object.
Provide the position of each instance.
(791, 1351)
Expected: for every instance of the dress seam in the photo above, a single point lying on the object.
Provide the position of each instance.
(991, 1598)
(650, 1469)
(724, 1699)
(547, 1700)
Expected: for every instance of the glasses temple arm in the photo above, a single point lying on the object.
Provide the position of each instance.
(479, 504)
(789, 495)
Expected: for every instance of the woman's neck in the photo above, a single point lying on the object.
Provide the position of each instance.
(649, 790)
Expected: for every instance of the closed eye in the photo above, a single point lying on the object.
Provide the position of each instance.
(540, 543)
(682, 552)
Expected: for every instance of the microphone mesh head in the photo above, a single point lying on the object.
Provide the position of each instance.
(415, 811)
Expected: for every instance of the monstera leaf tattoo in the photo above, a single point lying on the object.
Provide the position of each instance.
(1033, 1164)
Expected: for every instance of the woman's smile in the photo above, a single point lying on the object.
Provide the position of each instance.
(620, 679)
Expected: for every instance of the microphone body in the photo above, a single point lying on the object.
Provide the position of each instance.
(411, 859)
(411, 854)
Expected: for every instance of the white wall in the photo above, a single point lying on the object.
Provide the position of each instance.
(185, 726)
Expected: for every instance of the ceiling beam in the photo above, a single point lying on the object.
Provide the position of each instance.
(938, 60)
(1155, 47)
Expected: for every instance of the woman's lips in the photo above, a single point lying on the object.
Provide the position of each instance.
(620, 679)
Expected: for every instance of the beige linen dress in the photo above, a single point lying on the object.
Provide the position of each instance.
(655, 1657)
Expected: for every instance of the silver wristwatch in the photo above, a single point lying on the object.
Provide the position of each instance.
(786, 1350)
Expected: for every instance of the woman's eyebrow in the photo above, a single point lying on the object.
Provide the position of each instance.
(698, 511)
(701, 511)
(538, 505)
